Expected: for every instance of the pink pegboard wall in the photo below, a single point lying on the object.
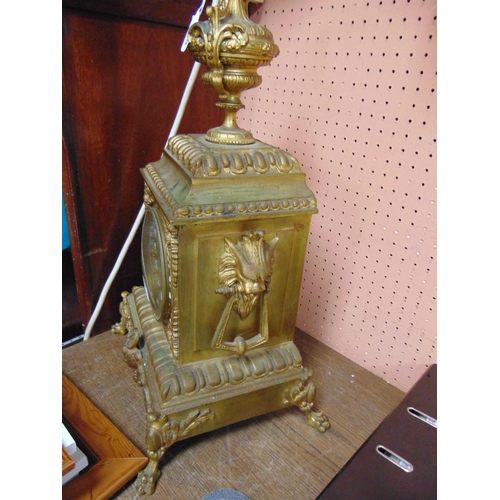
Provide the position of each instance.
(353, 96)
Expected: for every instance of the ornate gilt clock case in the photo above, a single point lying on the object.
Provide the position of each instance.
(210, 334)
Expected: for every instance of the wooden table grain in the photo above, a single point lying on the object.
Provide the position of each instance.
(273, 457)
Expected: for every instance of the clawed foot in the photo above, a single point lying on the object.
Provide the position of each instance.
(317, 420)
(146, 479)
(303, 396)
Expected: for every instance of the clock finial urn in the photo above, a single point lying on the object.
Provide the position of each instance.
(232, 47)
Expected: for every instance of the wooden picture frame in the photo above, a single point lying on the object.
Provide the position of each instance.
(117, 460)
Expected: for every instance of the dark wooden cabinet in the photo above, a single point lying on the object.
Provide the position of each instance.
(399, 460)
(123, 79)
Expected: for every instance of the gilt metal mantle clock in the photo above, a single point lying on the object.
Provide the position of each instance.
(210, 334)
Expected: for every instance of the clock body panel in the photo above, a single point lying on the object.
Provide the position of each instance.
(224, 246)
(201, 249)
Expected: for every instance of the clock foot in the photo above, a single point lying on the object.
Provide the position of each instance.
(146, 479)
(303, 396)
(121, 327)
(131, 352)
(161, 434)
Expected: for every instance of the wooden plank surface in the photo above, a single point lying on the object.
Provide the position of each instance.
(275, 456)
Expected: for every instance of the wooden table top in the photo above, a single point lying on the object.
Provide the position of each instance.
(273, 457)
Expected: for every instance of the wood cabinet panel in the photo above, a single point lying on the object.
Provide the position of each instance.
(123, 80)
(171, 12)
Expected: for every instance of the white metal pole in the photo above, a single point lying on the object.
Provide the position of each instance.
(140, 215)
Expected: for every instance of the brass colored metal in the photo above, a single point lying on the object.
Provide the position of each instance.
(245, 272)
(303, 396)
(210, 334)
(155, 261)
(233, 47)
(161, 434)
(184, 400)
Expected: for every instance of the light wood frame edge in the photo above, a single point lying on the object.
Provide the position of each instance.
(68, 464)
(118, 460)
